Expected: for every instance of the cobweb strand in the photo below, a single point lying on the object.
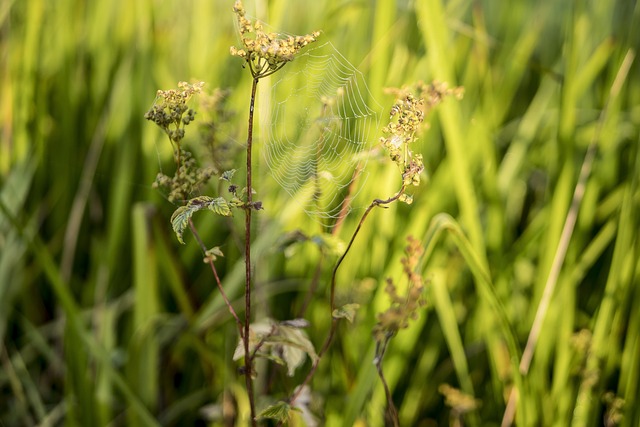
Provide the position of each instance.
(322, 121)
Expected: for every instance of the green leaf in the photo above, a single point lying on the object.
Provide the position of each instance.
(347, 311)
(236, 202)
(272, 357)
(179, 221)
(227, 175)
(295, 344)
(284, 343)
(279, 411)
(212, 254)
(217, 205)
(258, 332)
(181, 216)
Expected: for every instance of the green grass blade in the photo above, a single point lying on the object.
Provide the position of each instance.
(446, 315)
(72, 312)
(433, 19)
(443, 222)
(143, 368)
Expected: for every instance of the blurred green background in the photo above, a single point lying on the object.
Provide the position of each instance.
(106, 320)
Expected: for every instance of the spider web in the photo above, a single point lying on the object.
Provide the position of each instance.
(322, 120)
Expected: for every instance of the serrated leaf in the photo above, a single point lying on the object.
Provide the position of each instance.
(272, 357)
(295, 344)
(257, 333)
(278, 411)
(347, 311)
(181, 216)
(282, 343)
(179, 221)
(220, 206)
(236, 202)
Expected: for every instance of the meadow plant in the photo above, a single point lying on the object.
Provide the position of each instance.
(285, 342)
(528, 255)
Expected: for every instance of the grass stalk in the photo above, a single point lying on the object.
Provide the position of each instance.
(72, 313)
(565, 237)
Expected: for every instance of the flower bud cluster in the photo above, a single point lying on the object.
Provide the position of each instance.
(170, 111)
(406, 120)
(264, 51)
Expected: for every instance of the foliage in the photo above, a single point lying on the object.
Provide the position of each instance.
(105, 319)
(181, 216)
(282, 342)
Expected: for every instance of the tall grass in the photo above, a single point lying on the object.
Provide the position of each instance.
(106, 320)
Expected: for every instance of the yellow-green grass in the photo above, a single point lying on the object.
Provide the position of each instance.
(106, 320)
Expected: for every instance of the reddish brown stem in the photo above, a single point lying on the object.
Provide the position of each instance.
(334, 321)
(195, 233)
(376, 202)
(247, 259)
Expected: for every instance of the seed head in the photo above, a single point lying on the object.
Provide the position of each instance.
(264, 51)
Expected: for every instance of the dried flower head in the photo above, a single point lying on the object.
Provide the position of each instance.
(265, 52)
(168, 111)
(187, 179)
(403, 307)
(172, 114)
(406, 119)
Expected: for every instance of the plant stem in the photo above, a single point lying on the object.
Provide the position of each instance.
(248, 362)
(376, 202)
(334, 321)
(195, 233)
(258, 70)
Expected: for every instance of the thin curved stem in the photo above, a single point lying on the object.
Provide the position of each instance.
(376, 202)
(392, 411)
(195, 233)
(334, 321)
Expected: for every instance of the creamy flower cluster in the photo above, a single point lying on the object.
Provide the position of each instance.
(266, 51)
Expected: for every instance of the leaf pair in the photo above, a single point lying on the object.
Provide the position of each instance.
(182, 215)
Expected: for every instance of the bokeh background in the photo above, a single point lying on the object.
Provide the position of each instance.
(106, 320)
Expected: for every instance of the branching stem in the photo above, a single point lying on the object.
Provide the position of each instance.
(334, 321)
